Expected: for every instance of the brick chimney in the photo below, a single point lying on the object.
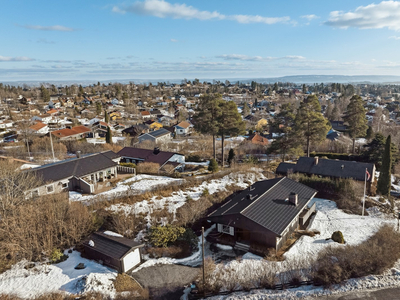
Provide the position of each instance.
(294, 198)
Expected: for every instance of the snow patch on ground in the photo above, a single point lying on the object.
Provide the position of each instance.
(62, 277)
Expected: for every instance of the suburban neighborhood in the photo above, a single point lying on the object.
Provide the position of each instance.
(182, 149)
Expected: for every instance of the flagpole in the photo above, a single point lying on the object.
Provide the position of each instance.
(365, 188)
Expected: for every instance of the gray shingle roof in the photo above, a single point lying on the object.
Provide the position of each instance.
(112, 246)
(74, 167)
(268, 205)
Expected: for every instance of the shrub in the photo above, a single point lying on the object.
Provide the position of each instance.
(337, 236)
(213, 165)
(57, 256)
(130, 165)
(162, 236)
(205, 192)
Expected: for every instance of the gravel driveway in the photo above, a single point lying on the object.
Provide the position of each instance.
(166, 281)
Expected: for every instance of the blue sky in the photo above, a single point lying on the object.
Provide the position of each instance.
(160, 39)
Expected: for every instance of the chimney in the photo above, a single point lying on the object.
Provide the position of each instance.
(78, 154)
(156, 150)
(316, 158)
(294, 198)
(249, 196)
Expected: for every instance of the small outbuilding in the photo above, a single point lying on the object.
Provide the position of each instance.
(113, 250)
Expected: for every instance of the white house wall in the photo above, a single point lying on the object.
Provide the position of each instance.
(131, 260)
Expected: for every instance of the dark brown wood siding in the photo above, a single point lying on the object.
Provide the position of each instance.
(107, 260)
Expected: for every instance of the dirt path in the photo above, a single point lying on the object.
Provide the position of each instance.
(166, 281)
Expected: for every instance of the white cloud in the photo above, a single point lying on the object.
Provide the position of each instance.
(164, 9)
(18, 58)
(174, 40)
(383, 15)
(48, 28)
(257, 58)
(394, 37)
(309, 17)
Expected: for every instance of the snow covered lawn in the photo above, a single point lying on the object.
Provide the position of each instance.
(43, 278)
(329, 219)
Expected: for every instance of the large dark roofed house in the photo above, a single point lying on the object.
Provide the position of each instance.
(86, 173)
(266, 213)
(328, 168)
(113, 251)
(162, 158)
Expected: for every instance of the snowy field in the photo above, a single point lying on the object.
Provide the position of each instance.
(62, 277)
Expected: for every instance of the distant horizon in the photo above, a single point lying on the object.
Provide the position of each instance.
(299, 79)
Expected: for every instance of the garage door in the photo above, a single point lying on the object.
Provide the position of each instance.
(131, 260)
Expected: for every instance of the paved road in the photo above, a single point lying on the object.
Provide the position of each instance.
(383, 294)
(166, 281)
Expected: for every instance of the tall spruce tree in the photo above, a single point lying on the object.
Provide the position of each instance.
(106, 117)
(384, 181)
(311, 125)
(356, 118)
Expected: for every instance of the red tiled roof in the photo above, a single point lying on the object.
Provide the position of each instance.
(37, 126)
(69, 132)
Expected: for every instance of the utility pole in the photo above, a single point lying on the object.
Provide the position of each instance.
(52, 148)
(204, 274)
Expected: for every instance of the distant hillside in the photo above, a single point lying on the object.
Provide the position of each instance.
(307, 79)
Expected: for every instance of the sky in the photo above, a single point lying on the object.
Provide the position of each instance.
(172, 39)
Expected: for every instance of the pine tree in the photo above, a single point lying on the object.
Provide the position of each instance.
(108, 136)
(384, 181)
(283, 124)
(229, 122)
(206, 117)
(310, 124)
(356, 118)
(213, 165)
(106, 117)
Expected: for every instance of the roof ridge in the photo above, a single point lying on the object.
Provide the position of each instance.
(259, 197)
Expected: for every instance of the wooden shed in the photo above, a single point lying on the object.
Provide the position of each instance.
(113, 251)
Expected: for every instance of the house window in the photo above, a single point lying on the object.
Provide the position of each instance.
(225, 229)
(50, 189)
(64, 185)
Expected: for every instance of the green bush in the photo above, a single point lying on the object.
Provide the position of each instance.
(130, 165)
(57, 256)
(205, 192)
(163, 236)
(337, 236)
(213, 165)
